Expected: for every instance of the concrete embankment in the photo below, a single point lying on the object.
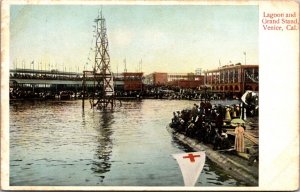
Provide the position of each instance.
(233, 165)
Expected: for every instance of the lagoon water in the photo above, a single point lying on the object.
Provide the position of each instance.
(58, 143)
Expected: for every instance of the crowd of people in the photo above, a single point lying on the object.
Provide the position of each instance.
(206, 123)
(54, 76)
(175, 92)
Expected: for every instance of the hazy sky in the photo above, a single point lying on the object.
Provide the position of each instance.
(170, 38)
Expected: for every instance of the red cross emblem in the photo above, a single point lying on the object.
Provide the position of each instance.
(191, 157)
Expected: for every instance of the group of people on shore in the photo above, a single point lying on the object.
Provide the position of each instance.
(206, 124)
(177, 93)
(53, 76)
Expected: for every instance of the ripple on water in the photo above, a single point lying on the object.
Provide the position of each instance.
(129, 147)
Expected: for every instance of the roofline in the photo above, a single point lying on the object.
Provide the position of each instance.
(230, 67)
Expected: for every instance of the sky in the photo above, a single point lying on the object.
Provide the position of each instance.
(167, 38)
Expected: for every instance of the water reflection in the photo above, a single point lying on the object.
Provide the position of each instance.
(128, 104)
(59, 143)
(102, 163)
(83, 123)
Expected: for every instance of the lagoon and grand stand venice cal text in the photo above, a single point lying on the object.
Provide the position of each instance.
(106, 95)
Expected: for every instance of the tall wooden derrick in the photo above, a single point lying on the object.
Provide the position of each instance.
(103, 98)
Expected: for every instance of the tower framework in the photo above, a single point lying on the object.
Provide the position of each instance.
(103, 79)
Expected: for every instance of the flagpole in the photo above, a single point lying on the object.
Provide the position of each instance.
(32, 66)
(125, 68)
(117, 68)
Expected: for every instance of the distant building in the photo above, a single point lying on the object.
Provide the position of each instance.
(156, 78)
(133, 81)
(181, 76)
(182, 80)
(185, 80)
(232, 78)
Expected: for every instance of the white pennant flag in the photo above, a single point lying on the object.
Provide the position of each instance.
(191, 165)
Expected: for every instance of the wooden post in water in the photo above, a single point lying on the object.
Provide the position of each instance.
(83, 89)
